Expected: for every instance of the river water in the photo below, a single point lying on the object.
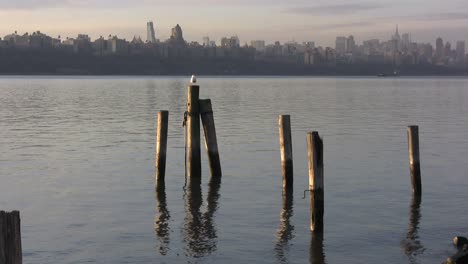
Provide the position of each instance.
(77, 159)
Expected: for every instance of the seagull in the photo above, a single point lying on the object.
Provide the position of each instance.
(193, 79)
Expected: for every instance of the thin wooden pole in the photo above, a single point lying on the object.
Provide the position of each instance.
(161, 147)
(10, 238)
(315, 156)
(284, 123)
(193, 129)
(413, 150)
(211, 142)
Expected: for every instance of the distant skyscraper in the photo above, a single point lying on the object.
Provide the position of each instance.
(405, 42)
(259, 45)
(340, 45)
(150, 35)
(350, 44)
(396, 41)
(439, 48)
(177, 35)
(206, 41)
(461, 51)
(447, 49)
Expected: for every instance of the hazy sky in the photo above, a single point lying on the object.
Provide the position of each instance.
(301, 20)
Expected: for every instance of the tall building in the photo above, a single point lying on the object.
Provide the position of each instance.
(259, 45)
(461, 51)
(447, 49)
(439, 53)
(150, 35)
(177, 35)
(350, 44)
(340, 45)
(206, 41)
(396, 41)
(405, 42)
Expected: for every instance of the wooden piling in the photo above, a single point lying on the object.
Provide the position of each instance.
(413, 150)
(316, 186)
(211, 142)
(10, 238)
(193, 132)
(284, 123)
(161, 147)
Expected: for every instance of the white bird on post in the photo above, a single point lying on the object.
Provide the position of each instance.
(193, 80)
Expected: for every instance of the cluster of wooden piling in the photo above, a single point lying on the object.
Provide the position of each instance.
(10, 238)
(197, 109)
(202, 109)
(315, 161)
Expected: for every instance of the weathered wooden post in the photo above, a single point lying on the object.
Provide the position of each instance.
(284, 123)
(211, 142)
(315, 155)
(413, 150)
(10, 238)
(193, 131)
(161, 147)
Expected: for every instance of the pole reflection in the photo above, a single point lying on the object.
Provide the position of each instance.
(316, 253)
(199, 232)
(286, 229)
(411, 245)
(161, 220)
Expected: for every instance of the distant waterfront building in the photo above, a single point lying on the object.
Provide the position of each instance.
(15, 40)
(439, 53)
(460, 51)
(259, 45)
(230, 43)
(396, 41)
(447, 49)
(177, 35)
(117, 46)
(405, 42)
(309, 45)
(350, 44)
(206, 41)
(150, 35)
(340, 45)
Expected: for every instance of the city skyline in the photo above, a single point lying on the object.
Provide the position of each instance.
(250, 20)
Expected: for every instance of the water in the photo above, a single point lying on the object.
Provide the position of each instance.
(77, 159)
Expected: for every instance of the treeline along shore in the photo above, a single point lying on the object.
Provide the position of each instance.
(52, 62)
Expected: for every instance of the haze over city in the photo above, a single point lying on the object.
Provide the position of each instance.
(319, 21)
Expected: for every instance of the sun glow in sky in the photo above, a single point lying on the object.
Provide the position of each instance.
(313, 20)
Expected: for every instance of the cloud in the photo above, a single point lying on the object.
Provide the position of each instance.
(334, 9)
(31, 4)
(436, 16)
(347, 25)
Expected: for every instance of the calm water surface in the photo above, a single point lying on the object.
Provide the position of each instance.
(77, 159)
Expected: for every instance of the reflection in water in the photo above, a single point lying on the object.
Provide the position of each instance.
(161, 220)
(411, 245)
(199, 230)
(316, 253)
(286, 229)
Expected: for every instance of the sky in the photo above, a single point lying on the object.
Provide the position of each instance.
(299, 20)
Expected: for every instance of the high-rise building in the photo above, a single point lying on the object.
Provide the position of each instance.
(439, 48)
(396, 41)
(405, 42)
(447, 49)
(206, 41)
(461, 51)
(350, 44)
(259, 45)
(177, 34)
(340, 45)
(150, 35)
